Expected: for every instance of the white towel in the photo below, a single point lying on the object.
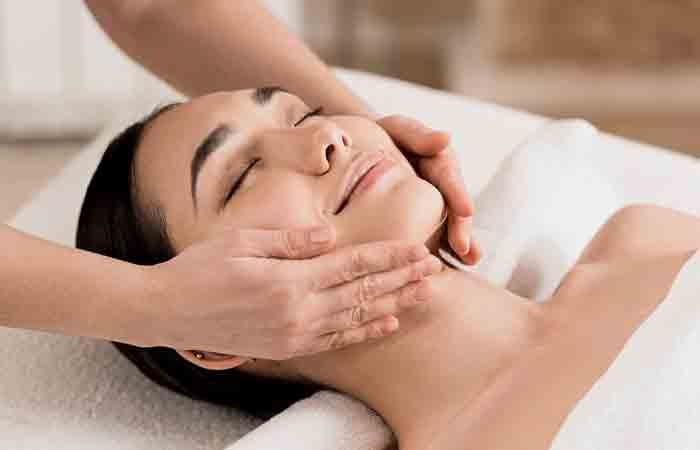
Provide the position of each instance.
(541, 208)
(326, 420)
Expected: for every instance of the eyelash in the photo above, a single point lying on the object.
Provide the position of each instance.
(239, 181)
(315, 112)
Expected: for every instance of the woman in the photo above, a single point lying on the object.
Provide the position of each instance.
(482, 367)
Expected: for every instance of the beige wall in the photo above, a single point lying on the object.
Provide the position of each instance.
(630, 67)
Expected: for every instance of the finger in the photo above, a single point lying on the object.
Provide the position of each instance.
(444, 172)
(357, 261)
(356, 300)
(474, 254)
(459, 233)
(408, 296)
(439, 165)
(287, 244)
(339, 339)
(367, 288)
(413, 136)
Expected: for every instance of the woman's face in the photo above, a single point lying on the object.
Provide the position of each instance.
(290, 170)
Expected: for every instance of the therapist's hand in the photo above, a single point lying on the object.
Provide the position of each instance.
(241, 293)
(429, 153)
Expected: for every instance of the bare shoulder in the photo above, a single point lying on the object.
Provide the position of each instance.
(628, 267)
(641, 231)
(619, 279)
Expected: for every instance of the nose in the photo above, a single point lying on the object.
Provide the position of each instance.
(329, 142)
(312, 149)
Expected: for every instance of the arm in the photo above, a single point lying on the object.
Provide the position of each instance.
(201, 47)
(44, 286)
(641, 232)
(48, 287)
(629, 265)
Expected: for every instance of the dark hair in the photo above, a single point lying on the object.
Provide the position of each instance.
(114, 222)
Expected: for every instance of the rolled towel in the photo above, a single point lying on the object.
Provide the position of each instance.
(541, 208)
(325, 421)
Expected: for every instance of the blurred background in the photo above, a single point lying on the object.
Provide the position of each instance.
(631, 68)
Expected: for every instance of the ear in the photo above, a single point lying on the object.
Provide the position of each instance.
(213, 361)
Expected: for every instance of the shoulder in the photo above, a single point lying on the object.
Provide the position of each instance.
(628, 267)
(640, 232)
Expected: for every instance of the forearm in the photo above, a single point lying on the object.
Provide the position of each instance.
(201, 47)
(48, 287)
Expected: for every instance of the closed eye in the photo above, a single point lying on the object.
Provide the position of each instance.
(315, 112)
(240, 180)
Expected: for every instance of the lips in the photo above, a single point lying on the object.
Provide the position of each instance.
(358, 169)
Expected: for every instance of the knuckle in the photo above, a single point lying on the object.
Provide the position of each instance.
(396, 257)
(416, 271)
(369, 287)
(290, 242)
(357, 315)
(415, 292)
(357, 263)
(335, 341)
(375, 331)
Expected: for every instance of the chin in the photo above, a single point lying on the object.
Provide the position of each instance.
(410, 211)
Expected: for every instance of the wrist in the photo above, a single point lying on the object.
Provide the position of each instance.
(124, 315)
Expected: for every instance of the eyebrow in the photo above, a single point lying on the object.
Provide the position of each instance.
(216, 138)
(262, 96)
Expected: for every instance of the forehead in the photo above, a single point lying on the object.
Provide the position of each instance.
(162, 163)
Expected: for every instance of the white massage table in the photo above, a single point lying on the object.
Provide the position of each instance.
(60, 392)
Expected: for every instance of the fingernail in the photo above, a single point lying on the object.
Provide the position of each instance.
(466, 220)
(391, 325)
(466, 251)
(320, 235)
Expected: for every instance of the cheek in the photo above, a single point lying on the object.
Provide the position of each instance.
(272, 204)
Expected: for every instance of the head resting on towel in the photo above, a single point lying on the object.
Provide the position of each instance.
(245, 159)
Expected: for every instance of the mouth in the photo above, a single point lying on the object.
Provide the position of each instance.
(358, 170)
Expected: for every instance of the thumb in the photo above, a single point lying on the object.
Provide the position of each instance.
(413, 136)
(282, 243)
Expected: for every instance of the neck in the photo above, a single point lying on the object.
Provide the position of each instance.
(438, 362)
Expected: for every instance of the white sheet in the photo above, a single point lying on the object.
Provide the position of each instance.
(649, 398)
(60, 392)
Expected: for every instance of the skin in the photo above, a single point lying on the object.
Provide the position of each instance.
(519, 368)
